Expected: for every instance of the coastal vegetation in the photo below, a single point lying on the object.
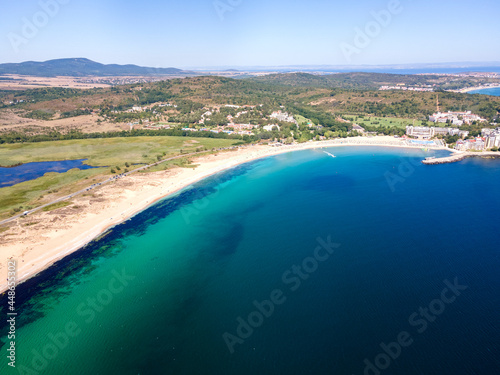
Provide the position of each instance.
(176, 116)
(181, 102)
(54, 135)
(106, 153)
(34, 193)
(57, 205)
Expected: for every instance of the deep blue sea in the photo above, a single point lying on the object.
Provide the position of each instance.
(493, 91)
(388, 70)
(30, 171)
(369, 69)
(367, 263)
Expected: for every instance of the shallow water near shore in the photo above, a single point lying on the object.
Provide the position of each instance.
(491, 91)
(157, 294)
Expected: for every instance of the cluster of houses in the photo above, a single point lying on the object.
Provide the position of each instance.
(219, 130)
(142, 109)
(282, 116)
(137, 109)
(241, 106)
(230, 118)
(241, 129)
(406, 88)
(489, 138)
(430, 132)
(455, 118)
(232, 127)
(205, 116)
(167, 105)
(278, 115)
(114, 81)
(151, 126)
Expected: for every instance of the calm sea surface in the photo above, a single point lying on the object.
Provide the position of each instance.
(369, 262)
(494, 91)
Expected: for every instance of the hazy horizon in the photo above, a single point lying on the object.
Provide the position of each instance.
(311, 67)
(234, 33)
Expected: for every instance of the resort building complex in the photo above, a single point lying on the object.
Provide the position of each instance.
(430, 132)
(491, 137)
(455, 118)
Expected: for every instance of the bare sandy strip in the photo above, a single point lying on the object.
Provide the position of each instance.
(23, 82)
(41, 239)
(477, 88)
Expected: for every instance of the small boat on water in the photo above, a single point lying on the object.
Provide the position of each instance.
(333, 156)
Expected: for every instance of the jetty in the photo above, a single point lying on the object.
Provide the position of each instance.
(461, 156)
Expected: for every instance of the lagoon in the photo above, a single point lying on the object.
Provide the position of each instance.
(30, 171)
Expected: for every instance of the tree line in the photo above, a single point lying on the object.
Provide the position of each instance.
(20, 137)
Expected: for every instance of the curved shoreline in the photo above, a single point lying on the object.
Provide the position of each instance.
(469, 89)
(52, 247)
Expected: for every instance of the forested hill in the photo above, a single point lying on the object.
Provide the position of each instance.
(80, 67)
(363, 81)
(194, 95)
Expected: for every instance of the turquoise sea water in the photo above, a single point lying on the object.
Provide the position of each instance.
(353, 251)
(494, 91)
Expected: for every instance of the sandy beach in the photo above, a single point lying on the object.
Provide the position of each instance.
(41, 239)
(469, 89)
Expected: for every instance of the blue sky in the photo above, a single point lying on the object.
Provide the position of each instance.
(250, 32)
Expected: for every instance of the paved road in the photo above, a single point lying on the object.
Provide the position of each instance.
(105, 182)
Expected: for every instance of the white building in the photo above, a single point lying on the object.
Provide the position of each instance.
(282, 116)
(477, 144)
(456, 118)
(419, 131)
(270, 128)
(429, 132)
(491, 137)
